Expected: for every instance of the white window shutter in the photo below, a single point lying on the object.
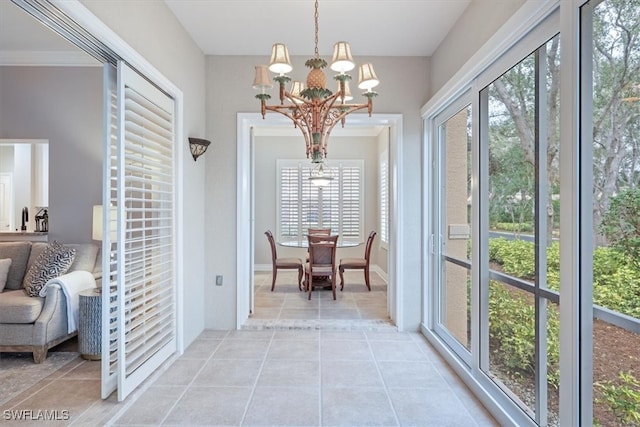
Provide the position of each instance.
(145, 245)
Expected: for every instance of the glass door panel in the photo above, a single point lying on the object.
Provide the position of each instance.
(454, 238)
(610, 33)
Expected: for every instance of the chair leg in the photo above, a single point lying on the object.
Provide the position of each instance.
(341, 277)
(310, 284)
(333, 284)
(366, 278)
(300, 278)
(273, 281)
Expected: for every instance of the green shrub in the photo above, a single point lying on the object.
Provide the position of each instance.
(623, 398)
(621, 224)
(616, 280)
(525, 227)
(512, 327)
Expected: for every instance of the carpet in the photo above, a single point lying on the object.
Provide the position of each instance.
(18, 372)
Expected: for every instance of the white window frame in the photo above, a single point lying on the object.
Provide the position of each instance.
(531, 25)
(337, 169)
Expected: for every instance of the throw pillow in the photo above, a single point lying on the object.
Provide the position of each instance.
(54, 261)
(4, 272)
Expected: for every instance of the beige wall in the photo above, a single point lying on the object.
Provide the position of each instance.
(154, 32)
(403, 89)
(63, 105)
(270, 148)
(480, 20)
(456, 191)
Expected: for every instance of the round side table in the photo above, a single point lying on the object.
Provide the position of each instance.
(90, 324)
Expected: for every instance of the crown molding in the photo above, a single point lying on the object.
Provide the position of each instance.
(47, 58)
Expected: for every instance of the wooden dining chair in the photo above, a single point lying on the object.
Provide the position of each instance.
(322, 261)
(316, 231)
(322, 231)
(358, 263)
(283, 263)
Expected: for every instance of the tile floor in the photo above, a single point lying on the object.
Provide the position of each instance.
(286, 307)
(307, 378)
(298, 363)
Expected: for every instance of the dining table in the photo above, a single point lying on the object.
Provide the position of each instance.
(304, 244)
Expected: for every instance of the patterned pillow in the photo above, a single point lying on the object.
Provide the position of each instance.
(5, 264)
(54, 261)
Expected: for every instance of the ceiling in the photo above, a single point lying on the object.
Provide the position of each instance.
(373, 27)
(250, 27)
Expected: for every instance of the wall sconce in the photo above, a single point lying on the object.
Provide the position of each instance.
(198, 147)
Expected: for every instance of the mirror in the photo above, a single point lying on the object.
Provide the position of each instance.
(24, 183)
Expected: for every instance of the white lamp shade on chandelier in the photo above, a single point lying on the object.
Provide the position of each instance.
(313, 108)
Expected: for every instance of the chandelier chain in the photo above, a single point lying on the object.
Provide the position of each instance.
(315, 16)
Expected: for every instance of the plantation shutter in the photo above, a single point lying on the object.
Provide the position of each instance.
(109, 242)
(338, 205)
(289, 208)
(383, 191)
(146, 291)
(351, 202)
(310, 201)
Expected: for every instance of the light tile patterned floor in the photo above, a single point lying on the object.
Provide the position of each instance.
(355, 308)
(307, 378)
(310, 363)
(299, 363)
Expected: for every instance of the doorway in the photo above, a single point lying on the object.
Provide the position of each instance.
(246, 232)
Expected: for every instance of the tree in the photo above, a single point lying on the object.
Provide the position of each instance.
(616, 76)
(621, 224)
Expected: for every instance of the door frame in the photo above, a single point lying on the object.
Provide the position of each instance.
(246, 217)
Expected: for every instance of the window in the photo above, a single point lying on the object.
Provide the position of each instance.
(338, 205)
(384, 198)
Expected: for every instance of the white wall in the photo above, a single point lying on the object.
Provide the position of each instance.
(403, 89)
(480, 20)
(270, 148)
(154, 32)
(63, 105)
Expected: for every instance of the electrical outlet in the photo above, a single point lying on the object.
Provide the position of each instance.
(219, 280)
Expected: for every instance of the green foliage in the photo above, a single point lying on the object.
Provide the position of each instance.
(623, 398)
(616, 285)
(511, 325)
(616, 282)
(621, 223)
(516, 256)
(516, 227)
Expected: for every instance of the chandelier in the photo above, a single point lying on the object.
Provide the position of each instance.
(315, 110)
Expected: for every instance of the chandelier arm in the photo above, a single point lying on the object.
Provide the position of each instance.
(295, 114)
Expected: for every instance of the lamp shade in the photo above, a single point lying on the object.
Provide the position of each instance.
(296, 88)
(261, 80)
(198, 146)
(98, 213)
(367, 78)
(280, 62)
(342, 60)
(318, 176)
